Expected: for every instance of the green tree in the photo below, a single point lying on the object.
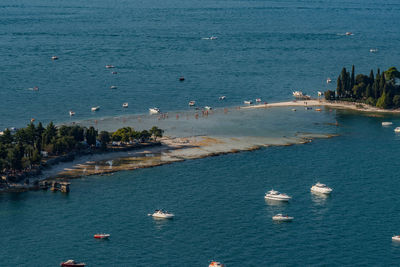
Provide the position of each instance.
(36, 157)
(144, 135)
(49, 133)
(7, 137)
(371, 78)
(14, 159)
(339, 88)
(156, 132)
(368, 91)
(383, 101)
(91, 135)
(352, 80)
(391, 74)
(396, 101)
(104, 138)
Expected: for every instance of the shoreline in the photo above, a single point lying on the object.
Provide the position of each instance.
(173, 149)
(333, 104)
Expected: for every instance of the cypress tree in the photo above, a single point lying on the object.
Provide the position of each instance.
(371, 78)
(375, 87)
(352, 81)
(382, 83)
(368, 92)
(339, 89)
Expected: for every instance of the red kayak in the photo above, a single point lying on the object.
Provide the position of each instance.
(72, 263)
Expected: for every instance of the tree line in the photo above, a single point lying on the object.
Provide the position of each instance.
(24, 148)
(380, 90)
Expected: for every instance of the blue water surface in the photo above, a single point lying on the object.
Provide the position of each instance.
(264, 49)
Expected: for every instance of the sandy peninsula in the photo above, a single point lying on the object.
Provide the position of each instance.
(322, 102)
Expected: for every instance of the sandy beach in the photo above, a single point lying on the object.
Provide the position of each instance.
(322, 102)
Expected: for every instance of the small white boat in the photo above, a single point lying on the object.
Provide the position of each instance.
(222, 97)
(321, 188)
(373, 50)
(396, 238)
(210, 38)
(258, 100)
(208, 108)
(216, 264)
(192, 103)
(154, 110)
(125, 105)
(275, 195)
(54, 57)
(282, 218)
(109, 66)
(160, 214)
(349, 33)
(71, 113)
(328, 80)
(113, 87)
(387, 123)
(248, 102)
(397, 130)
(293, 109)
(95, 108)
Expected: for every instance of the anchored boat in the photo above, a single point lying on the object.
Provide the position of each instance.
(321, 188)
(72, 263)
(160, 214)
(275, 195)
(282, 218)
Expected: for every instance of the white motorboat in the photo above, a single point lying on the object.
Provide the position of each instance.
(275, 195)
(208, 108)
(258, 100)
(373, 50)
(300, 95)
(396, 238)
(192, 103)
(387, 123)
(109, 66)
(397, 130)
(282, 218)
(349, 33)
(160, 214)
(216, 264)
(95, 108)
(328, 80)
(54, 57)
(222, 97)
(125, 105)
(321, 188)
(113, 87)
(154, 110)
(248, 102)
(71, 113)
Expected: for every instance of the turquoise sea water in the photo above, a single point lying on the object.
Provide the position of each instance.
(264, 49)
